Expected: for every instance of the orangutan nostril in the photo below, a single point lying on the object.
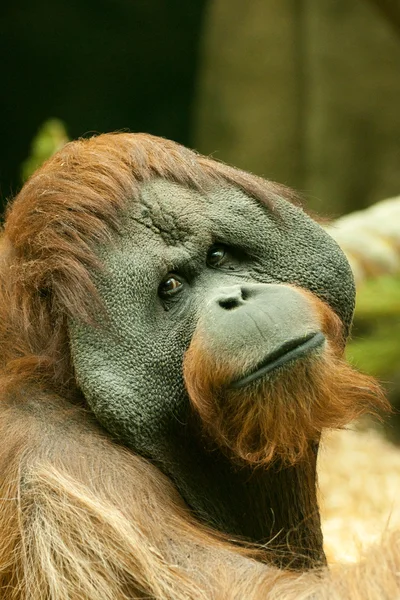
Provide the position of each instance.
(229, 303)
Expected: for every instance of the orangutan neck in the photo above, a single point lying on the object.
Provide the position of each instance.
(274, 506)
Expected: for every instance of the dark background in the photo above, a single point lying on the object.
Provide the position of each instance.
(306, 92)
(98, 66)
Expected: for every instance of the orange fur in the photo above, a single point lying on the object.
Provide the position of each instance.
(84, 519)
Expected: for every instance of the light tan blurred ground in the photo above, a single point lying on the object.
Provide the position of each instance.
(359, 477)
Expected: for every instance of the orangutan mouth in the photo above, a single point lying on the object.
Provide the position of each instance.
(289, 351)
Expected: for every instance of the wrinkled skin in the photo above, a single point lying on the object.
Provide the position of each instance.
(130, 368)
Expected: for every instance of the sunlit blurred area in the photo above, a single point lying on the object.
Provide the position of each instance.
(305, 92)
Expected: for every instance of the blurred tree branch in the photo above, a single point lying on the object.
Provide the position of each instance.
(371, 239)
(390, 10)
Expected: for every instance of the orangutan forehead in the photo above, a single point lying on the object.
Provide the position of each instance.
(178, 214)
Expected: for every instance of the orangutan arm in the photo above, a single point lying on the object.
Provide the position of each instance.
(83, 518)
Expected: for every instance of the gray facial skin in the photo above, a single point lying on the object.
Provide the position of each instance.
(130, 368)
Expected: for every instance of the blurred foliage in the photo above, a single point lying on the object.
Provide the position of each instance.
(379, 297)
(375, 347)
(51, 136)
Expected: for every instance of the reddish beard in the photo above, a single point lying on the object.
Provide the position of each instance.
(279, 415)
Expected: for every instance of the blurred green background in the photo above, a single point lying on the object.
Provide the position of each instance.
(306, 92)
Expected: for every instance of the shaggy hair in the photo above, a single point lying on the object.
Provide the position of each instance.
(82, 518)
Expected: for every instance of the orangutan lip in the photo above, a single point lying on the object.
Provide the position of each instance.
(288, 351)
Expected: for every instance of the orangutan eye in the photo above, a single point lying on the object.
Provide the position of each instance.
(216, 256)
(170, 286)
